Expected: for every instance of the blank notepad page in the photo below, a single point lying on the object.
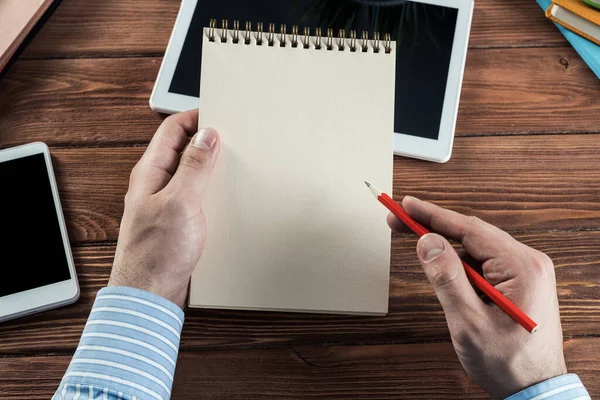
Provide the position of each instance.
(291, 224)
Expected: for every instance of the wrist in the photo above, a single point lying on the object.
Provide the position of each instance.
(567, 386)
(526, 383)
(173, 290)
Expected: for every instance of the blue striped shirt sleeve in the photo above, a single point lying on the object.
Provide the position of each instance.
(128, 349)
(565, 387)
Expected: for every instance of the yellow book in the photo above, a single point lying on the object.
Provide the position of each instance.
(577, 17)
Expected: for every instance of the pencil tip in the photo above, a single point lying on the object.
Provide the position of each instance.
(368, 184)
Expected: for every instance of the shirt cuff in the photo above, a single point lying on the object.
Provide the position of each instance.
(130, 344)
(565, 387)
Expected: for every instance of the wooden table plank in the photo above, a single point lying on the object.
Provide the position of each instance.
(512, 23)
(415, 314)
(92, 183)
(519, 183)
(516, 183)
(101, 28)
(105, 101)
(423, 371)
(126, 27)
(512, 91)
(78, 102)
(522, 78)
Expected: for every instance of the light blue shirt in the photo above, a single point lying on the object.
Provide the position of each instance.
(128, 351)
(566, 387)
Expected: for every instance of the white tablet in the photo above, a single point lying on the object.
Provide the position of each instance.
(37, 265)
(430, 60)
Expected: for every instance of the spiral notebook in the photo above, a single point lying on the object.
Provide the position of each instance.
(304, 120)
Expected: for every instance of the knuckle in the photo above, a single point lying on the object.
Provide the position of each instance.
(472, 220)
(131, 190)
(137, 174)
(170, 120)
(195, 162)
(179, 206)
(173, 203)
(460, 334)
(471, 223)
(441, 274)
(464, 332)
(128, 198)
(135, 202)
(133, 174)
(541, 263)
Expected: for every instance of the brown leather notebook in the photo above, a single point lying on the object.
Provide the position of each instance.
(576, 16)
(17, 19)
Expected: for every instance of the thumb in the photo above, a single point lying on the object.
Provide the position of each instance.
(197, 161)
(444, 270)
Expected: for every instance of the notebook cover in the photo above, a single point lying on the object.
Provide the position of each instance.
(569, 26)
(291, 224)
(589, 51)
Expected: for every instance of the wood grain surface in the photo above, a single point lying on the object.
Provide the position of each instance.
(415, 314)
(526, 159)
(518, 183)
(130, 27)
(105, 101)
(416, 371)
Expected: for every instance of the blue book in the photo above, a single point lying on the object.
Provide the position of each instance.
(589, 52)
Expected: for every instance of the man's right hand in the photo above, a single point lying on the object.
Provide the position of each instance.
(496, 352)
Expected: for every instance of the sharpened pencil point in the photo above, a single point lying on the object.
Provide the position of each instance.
(376, 192)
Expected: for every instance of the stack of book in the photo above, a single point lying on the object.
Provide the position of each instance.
(577, 16)
(579, 22)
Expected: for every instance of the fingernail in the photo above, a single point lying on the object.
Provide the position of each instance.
(430, 246)
(205, 139)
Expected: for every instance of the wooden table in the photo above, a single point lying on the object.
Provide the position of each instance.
(526, 158)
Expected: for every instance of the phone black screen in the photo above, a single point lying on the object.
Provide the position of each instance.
(32, 253)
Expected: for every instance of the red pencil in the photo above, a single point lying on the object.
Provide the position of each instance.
(479, 281)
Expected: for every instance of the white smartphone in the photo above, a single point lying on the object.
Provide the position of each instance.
(37, 266)
(429, 64)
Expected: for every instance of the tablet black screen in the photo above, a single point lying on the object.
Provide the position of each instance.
(424, 34)
(32, 253)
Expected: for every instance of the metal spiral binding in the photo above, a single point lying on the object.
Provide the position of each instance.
(236, 31)
(259, 38)
(224, 31)
(271, 36)
(388, 43)
(318, 41)
(248, 34)
(329, 39)
(295, 36)
(365, 43)
(376, 42)
(211, 30)
(282, 35)
(306, 39)
(352, 40)
(342, 39)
